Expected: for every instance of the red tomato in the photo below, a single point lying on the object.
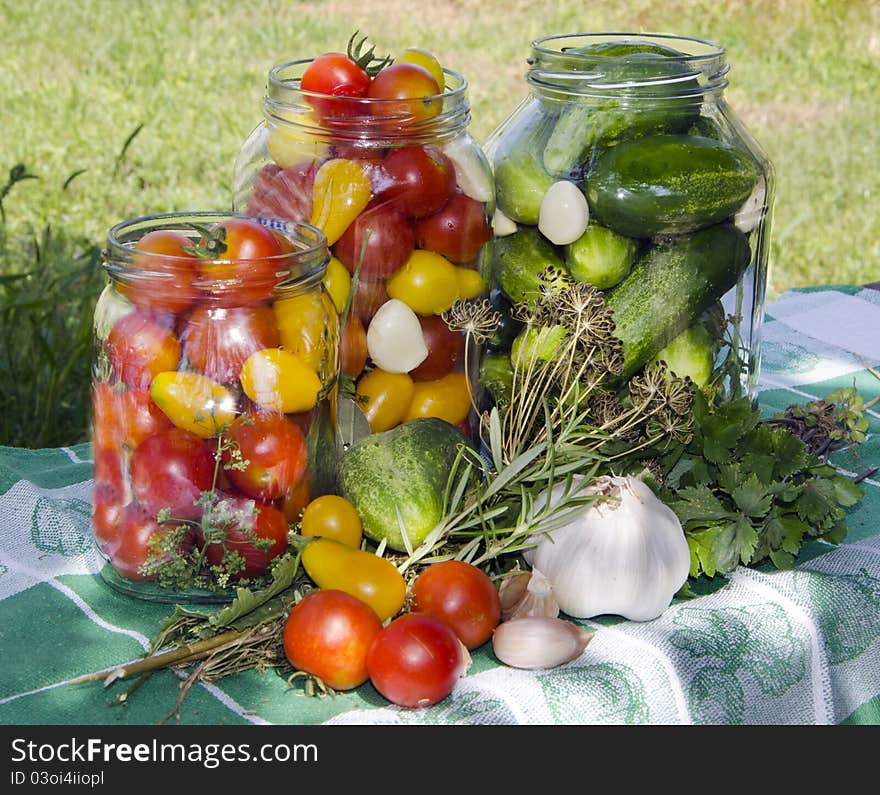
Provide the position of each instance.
(109, 467)
(163, 273)
(140, 417)
(353, 347)
(107, 509)
(245, 268)
(218, 340)
(457, 230)
(337, 75)
(413, 85)
(132, 549)
(328, 635)
(462, 596)
(171, 469)
(421, 179)
(416, 660)
(275, 451)
(258, 519)
(284, 193)
(140, 345)
(391, 240)
(445, 349)
(367, 298)
(294, 502)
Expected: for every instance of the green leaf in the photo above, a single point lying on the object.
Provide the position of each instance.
(700, 546)
(246, 601)
(698, 504)
(836, 534)
(723, 429)
(781, 559)
(848, 492)
(752, 498)
(818, 502)
(790, 453)
(730, 476)
(734, 543)
(785, 532)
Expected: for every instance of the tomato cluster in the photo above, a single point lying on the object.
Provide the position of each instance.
(209, 380)
(336, 633)
(398, 212)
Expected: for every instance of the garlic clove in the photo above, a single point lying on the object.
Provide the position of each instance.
(512, 592)
(527, 594)
(395, 341)
(564, 213)
(538, 642)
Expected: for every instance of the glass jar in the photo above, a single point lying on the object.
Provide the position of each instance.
(626, 169)
(214, 399)
(404, 195)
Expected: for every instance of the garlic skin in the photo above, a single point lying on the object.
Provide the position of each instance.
(527, 594)
(538, 642)
(626, 555)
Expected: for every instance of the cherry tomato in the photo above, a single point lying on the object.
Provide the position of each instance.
(302, 320)
(278, 380)
(133, 547)
(107, 508)
(426, 60)
(457, 230)
(246, 270)
(384, 398)
(258, 520)
(416, 660)
(445, 349)
(140, 345)
(343, 188)
(328, 634)
(337, 75)
(275, 451)
(331, 516)
(389, 242)
(109, 466)
(217, 340)
(337, 283)
(283, 193)
(353, 347)
(164, 282)
(358, 572)
(427, 283)
(171, 469)
(367, 298)
(413, 85)
(290, 140)
(462, 596)
(139, 417)
(448, 398)
(421, 179)
(193, 402)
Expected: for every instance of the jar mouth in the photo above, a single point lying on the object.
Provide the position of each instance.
(364, 118)
(304, 264)
(628, 64)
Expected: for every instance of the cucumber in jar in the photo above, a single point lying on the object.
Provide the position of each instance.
(521, 260)
(671, 284)
(600, 257)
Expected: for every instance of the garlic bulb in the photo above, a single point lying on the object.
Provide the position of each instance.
(626, 555)
(527, 594)
(538, 642)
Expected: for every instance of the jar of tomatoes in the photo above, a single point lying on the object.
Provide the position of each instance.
(379, 157)
(214, 399)
(625, 169)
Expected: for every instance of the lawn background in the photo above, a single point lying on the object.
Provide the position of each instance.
(79, 77)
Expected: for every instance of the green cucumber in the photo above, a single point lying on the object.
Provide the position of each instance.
(600, 257)
(496, 376)
(690, 354)
(520, 259)
(668, 185)
(670, 285)
(520, 178)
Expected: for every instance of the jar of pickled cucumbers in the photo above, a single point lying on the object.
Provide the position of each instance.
(214, 398)
(404, 195)
(625, 169)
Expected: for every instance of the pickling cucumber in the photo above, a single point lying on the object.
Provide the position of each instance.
(671, 284)
(520, 259)
(600, 257)
(690, 353)
(520, 178)
(668, 184)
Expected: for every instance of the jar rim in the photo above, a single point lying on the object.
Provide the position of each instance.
(714, 49)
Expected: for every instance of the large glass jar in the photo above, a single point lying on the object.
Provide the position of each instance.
(214, 399)
(404, 195)
(626, 169)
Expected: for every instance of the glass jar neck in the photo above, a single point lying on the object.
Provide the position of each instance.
(380, 122)
(627, 65)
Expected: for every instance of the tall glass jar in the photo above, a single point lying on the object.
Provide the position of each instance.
(404, 195)
(214, 399)
(626, 169)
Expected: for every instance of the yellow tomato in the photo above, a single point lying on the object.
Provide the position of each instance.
(447, 398)
(470, 283)
(279, 380)
(426, 60)
(427, 283)
(342, 190)
(384, 398)
(193, 402)
(290, 141)
(332, 516)
(374, 580)
(302, 321)
(337, 282)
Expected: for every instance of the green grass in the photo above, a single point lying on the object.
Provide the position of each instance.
(185, 78)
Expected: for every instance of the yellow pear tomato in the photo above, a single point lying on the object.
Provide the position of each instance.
(447, 398)
(384, 398)
(302, 320)
(193, 402)
(290, 140)
(427, 283)
(341, 192)
(337, 283)
(279, 380)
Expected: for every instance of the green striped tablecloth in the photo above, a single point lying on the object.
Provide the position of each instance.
(800, 646)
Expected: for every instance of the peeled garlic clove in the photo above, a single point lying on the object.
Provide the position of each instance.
(502, 225)
(564, 213)
(538, 642)
(394, 338)
(750, 214)
(472, 172)
(527, 594)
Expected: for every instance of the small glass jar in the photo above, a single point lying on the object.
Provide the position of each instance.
(214, 399)
(626, 169)
(404, 195)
